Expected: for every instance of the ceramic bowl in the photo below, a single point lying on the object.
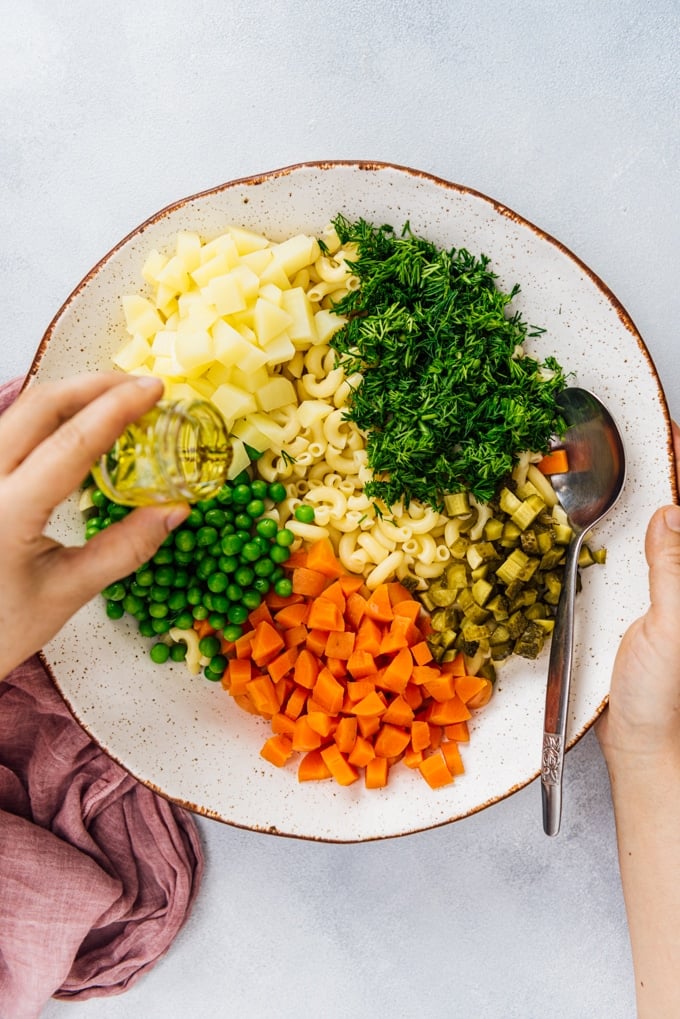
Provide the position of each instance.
(183, 736)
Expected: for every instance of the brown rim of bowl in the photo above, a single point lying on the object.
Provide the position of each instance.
(501, 209)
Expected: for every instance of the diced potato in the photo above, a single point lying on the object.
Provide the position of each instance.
(240, 459)
(311, 411)
(303, 327)
(248, 281)
(167, 368)
(258, 260)
(195, 351)
(174, 276)
(181, 391)
(224, 244)
(153, 266)
(141, 317)
(296, 253)
(233, 402)
(268, 427)
(269, 321)
(280, 350)
(218, 373)
(247, 241)
(251, 381)
(275, 273)
(231, 348)
(252, 436)
(327, 323)
(133, 354)
(271, 292)
(163, 344)
(198, 313)
(225, 294)
(217, 266)
(278, 392)
(188, 249)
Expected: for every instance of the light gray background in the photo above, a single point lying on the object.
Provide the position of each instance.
(566, 112)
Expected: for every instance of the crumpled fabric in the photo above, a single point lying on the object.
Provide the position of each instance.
(97, 873)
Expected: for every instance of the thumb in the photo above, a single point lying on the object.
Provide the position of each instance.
(123, 547)
(662, 548)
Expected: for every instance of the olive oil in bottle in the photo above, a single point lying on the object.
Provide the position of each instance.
(178, 451)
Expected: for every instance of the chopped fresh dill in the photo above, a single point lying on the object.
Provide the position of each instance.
(448, 399)
(286, 457)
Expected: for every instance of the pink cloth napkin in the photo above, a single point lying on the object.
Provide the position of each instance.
(97, 873)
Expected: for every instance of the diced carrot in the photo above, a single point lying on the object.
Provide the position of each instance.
(412, 758)
(240, 673)
(446, 712)
(359, 689)
(362, 752)
(243, 646)
(316, 641)
(244, 702)
(436, 735)
(294, 636)
(342, 771)
(337, 666)
(325, 615)
(434, 771)
(398, 593)
(345, 734)
(412, 695)
(227, 647)
(296, 703)
(371, 704)
(282, 664)
(398, 712)
(313, 768)
(421, 653)
(360, 663)
(335, 594)
(297, 558)
(456, 667)
(468, 687)
(482, 697)
(306, 669)
(355, 610)
(409, 609)
(321, 722)
(277, 750)
(420, 735)
(284, 688)
(391, 741)
(402, 633)
(258, 614)
(369, 636)
(328, 692)
(425, 673)
(441, 688)
(458, 731)
(309, 583)
(321, 557)
(454, 762)
(292, 615)
(282, 724)
(350, 584)
(375, 776)
(266, 643)
(203, 628)
(368, 724)
(340, 645)
(263, 696)
(379, 606)
(556, 462)
(277, 601)
(397, 674)
(305, 738)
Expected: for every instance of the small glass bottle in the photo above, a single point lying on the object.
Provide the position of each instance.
(178, 451)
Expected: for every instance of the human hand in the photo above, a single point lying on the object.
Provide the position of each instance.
(642, 723)
(49, 439)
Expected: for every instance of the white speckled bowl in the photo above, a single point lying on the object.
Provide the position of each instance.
(183, 736)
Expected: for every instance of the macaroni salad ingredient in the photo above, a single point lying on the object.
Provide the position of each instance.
(447, 397)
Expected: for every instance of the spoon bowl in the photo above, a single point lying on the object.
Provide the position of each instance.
(587, 491)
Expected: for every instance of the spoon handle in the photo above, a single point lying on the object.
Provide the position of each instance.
(557, 693)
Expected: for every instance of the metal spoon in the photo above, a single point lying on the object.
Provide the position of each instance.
(597, 468)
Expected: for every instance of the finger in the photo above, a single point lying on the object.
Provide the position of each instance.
(58, 465)
(662, 548)
(41, 409)
(115, 552)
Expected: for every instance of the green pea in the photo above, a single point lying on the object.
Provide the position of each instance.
(244, 576)
(237, 614)
(206, 566)
(234, 592)
(216, 517)
(242, 522)
(185, 540)
(305, 514)
(232, 632)
(177, 601)
(266, 527)
(157, 610)
(114, 609)
(184, 621)
(259, 488)
(132, 604)
(145, 576)
(209, 646)
(227, 563)
(195, 518)
(279, 553)
(181, 578)
(163, 557)
(118, 512)
(199, 612)
(255, 508)
(224, 495)
(159, 594)
(146, 628)
(263, 567)
(164, 576)
(206, 536)
(99, 499)
(251, 551)
(285, 537)
(251, 598)
(206, 504)
(242, 479)
(283, 587)
(261, 585)
(217, 620)
(220, 603)
(231, 544)
(194, 595)
(115, 592)
(218, 663)
(277, 492)
(159, 653)
(241, 494)
(185, 558)
(214, 677)
(218, 582)
(160, 626)
(208, 601)
(138, 590)
(178, 652)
